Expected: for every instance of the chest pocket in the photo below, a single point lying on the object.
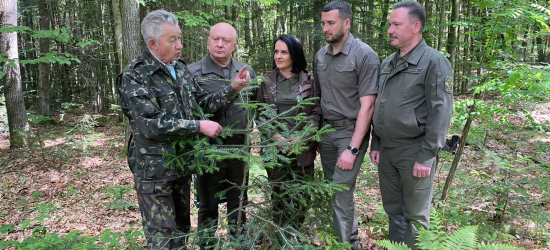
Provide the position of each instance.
(165, 98)
(346, 75)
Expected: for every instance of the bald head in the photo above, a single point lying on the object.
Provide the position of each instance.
(221, 43)
(224, 26)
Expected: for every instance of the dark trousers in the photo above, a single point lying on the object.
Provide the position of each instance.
(229, 176)
(165, 212)
(287, 208)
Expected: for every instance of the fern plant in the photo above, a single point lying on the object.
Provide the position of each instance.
(464, 238)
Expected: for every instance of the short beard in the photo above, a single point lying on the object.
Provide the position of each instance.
(336, 38)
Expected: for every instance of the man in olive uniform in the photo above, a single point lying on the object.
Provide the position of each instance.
(411, 119)
(347, 72)
(158, 96)
(213, 73)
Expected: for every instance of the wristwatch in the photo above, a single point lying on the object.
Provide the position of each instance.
(354, 151)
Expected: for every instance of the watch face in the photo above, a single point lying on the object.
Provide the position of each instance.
(353, 150)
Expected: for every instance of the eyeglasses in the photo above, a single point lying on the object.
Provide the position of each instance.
(224, 40)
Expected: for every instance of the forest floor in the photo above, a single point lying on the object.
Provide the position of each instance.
(78, 178)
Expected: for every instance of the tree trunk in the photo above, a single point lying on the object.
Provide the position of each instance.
(117, 33)
(130, 31)
(462, 142)
(383, 21)
(452, 38)
(247, 39)
(15, 103)
(44, 68)
(541, 56)
(429, 37)
(130, 45)
(441, 23)
(291, 16)
(235, 12)
(317, 8)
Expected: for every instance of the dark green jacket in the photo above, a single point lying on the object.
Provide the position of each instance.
(414, 103)
(267, 94)
(209, 78)
(160, 110)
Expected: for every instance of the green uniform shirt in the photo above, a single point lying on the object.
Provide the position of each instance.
(345, 77)
(415, 102)
(287, 93)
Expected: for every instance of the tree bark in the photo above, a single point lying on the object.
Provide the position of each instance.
(117, 33)
(462, 142)
(452, 38)
(541, 56)
(15, 104)
(44, 68)
(130, 45)
(429, 37)
(317, 8)
(130, 30)
(383, 21)
(247, 39)
(441, 23)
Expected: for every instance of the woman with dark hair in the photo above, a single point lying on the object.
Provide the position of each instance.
(287, 85)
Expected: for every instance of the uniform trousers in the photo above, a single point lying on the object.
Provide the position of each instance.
(165, 212)
(406, 199)
(230, 171)
(344, 215)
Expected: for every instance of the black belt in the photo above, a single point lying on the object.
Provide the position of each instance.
(340, 123)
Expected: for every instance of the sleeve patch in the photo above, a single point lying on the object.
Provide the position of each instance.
(449, 84)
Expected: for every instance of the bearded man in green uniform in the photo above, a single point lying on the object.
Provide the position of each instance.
(158, 96)
(347, 72)
(213, 73)
(411, 119)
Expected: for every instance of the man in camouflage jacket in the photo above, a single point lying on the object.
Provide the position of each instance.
(158, 95)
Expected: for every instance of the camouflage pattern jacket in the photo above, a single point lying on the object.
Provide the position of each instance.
(308, 89)
(160, 110)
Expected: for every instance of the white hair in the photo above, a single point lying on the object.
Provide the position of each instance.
(151, 24)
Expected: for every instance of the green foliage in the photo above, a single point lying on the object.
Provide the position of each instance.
(73, 240)
(201, 154)
(389, 245)
(41, 239)
(62, 35)
(119, 203)
(40, 119)
(84, 125)
(6, 228)
(464, 238)
(52, 57)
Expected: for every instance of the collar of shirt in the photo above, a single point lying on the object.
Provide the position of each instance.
(212, 66)
(282, 78)
(346, 47)
(171, 68)
(413, 56)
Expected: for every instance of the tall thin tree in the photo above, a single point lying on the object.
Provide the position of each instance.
(130, 44)
(15, 104)
(44, 67)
